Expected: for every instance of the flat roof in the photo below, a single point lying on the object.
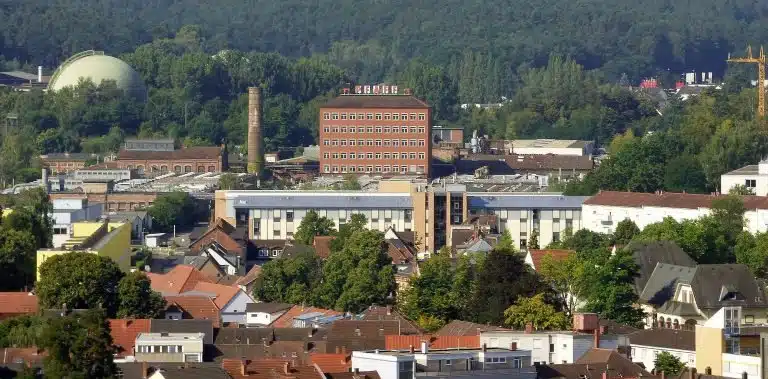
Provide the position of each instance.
(492, 350)
(319, 199)
(523, 201)
(549, 143)
(375, 101)
(148, 337)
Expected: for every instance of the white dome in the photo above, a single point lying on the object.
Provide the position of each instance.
(98, 67)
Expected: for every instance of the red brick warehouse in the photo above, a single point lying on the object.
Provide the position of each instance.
(375, 131)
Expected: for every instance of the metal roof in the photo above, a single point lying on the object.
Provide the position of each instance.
(524, 201)
(292, 201)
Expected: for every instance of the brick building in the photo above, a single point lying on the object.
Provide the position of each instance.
(384, 134)
(193, 159)
(113, 202)
(66, 162)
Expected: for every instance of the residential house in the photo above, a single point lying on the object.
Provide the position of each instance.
(351, 335)
(681, 297)
(216, 271)
(169, 347)
(124, 333)
(247, 282)
(14, 304)
(331, 362)
(182, 278)
(31, 357)
(264, 314)
(378, 313)
(231, 301)
(466, 328)
(141, 222)
(594, 364)
(159, 370)
(192, 307)
(456, 363)
(299, 316)
(264, 250)
(726, 346)
(534, 257)
(268, 368)
(647, 344)
(402, 249)
(647, 254)
(296, 344)
(228, 241)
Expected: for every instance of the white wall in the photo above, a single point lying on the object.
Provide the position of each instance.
(268, 226)
(567, 347)
(647, 355)
(263, 318)
(734, 365)
(234, 311)
(547, 224)
(385, 365)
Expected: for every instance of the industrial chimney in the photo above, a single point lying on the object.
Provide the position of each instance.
(254, 130)
(39, 74)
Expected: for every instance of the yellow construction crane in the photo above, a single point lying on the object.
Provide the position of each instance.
(760, 76)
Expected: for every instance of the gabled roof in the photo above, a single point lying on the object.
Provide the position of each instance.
(249, 277)
(181, 278)
(662, 284)
(352, 375)
(207, 370)
(222, 294)
(195, 307)
(197, 152)
(360, 335)
(269, 368)
(592, 365)
(461, 236)
(557, 255)
(286, 319)
(332, 362)
(124, 332)
(267, 307)
(18, 303)
(465, 328)
(667, 200)
(718, 285)
(376, 313)
(399, 251)
(665, 338)
(647, 254)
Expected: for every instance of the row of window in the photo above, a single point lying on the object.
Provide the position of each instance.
(374, 168)
(373, 116)
(159, 349)
(177, 169)
(377, 156)
(375, 129)
(267, 253)
(376, 142)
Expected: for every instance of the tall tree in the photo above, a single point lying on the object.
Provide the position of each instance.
(17, 258)
(568, 278)
(79, 280)
(313, 225)
(172, 209)
(536, 312)
(610, 291)
(288, 280)
(136, 297)
(356, 223)
(626, 229)
(79, 346)
(430, 294)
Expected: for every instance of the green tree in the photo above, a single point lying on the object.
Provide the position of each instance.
(23, 331)
(79, 280)
(288, 280)
(350, 183)
(136, 297)
(359, 275)
(753, 252)
(668, 364)
(536, 312)
(311, 226)
(79, 346)
(356, 223)
(502, 279)
(610, 291)
(568, 279)
(430, 324)
(626, 229)
(741, 190)
(172, 209)
(17, 258)
(229, 181)
(506, 241)
(430, 294)
(534, 241)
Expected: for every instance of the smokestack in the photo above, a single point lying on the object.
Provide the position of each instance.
(254, 130)
(39, 74)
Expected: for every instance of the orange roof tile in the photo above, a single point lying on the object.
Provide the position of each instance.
(268, 368)
(31, 355)
(286, 319)
(13, 303)
(224, 294)
(196, 307)
(557, 254)
(395, 342)
(332, 362)
(181, 278)
(124, 332)
(250, 276)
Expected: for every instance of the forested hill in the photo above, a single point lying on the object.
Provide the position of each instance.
(638, 37)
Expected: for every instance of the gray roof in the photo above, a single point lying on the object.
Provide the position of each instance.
(174, 370)
(661, 286)
(524, 201)
(678, 308)
(184, 326)
(648, 254)
(356, 201)
(20, 75)
(718, 285)
(666, 338)
(267, 307)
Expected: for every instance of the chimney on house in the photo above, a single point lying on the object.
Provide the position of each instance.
(424, 347)
(597, 338)
(39, 74)
(243, 367)
(485, 347)
(254, 130)
(692, 373)
(410, 349)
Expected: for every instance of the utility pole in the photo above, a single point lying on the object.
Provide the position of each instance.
(760, 76)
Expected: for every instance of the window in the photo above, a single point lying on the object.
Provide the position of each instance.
(370, 142)
(386, 168)
(387, 129)
(750, 183)
(369, 155)
(343, 155)
(352, 116)
(378, 155)
(343, 169)
(421, 130)
(404, 129)
(749, 319)
(378, 116)
(327, 129)
(387, 116)
(59, 230)
(343, 129)
(396, 116)
(404, 143)
(360, 116)
(343, 142)
(378, 168)
(326, 116)
(413, 129)
(518, 363)
(361, 142)
(387, 142)
(396, 155)
(360, 168)
(387, 155)
(447, 362)
(335, 155)
(421, 156)
(326, 142)
(343, 116)
(395, 143)
(335, 142)
(422, 142)
(289, 216)
(369, 116)
(361, 129)
(412, 155)
(335, 116)
(370, 129)
(556, 237)
(351, 142)
(422, 116)
(378, 130)
(351, 155)
(326, 155)
(276, 252)
(404, 116)
(395, 129)
(369, 169)
(523, 243)
(335, 168)
(351, 168)
(378, 142)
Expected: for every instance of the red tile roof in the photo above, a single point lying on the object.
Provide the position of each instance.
(332, 362)
(31, 355)
(435, 342)
(181, 278)
(557, 255)
(268, 368)
(195, 307)
(376, 101)
(197, 152)
(286, 319)
(667, 200)
(322, 246)
(465, 328)
(124, 332)
(250, 276)
(224, 294)
(17, 303)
